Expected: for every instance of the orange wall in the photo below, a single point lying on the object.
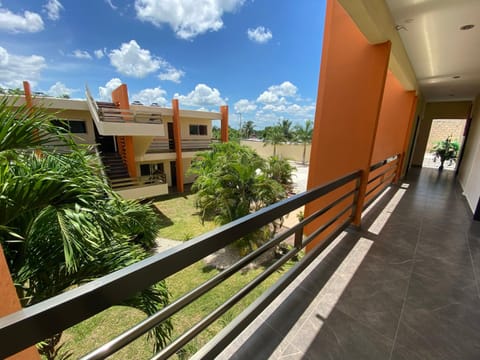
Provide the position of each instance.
(352, 78)
(394, 121)
(177, 135)
(120, 98)
(9, 303)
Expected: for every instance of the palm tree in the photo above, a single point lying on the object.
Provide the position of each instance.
(286, 126)
(248, 129)
(232, 182)
(303, 134)
(60, 224)
(274, 136)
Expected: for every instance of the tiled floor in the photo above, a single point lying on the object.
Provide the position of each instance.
(410, 292)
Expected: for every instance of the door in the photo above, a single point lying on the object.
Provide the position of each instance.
(171, 136)
(173, 172)
(106, 144)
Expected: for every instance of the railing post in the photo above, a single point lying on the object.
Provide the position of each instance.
(360, 198)
(298, 242)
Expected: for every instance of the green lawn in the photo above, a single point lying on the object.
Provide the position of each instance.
(179, 218)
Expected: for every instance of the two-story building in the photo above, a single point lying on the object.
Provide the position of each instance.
(144, 149)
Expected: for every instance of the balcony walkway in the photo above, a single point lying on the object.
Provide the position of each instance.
(410, 292)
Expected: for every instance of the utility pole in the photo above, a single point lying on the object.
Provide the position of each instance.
(240, 126)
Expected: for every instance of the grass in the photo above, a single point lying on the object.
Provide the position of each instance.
(179, 218)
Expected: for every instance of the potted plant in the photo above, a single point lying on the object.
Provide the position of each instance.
(446, 150)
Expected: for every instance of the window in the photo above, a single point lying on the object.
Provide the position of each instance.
(198, 129)
(73, 126)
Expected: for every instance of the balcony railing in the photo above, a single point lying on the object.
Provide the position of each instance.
(165, 146)
(35, 323)
(138, 181)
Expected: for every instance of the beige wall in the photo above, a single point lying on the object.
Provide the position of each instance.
(437, 110)
(185, 130)
(89, 137)
(469, 174)
(443, 128)
(288, 151)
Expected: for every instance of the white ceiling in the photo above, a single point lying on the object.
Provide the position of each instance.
(437, 48)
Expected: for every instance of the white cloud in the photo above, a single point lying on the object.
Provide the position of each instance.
(53, 8)
(150, 96)
(132, 60)
(16, 68)
(105, 92)
(17, 23)
(171, 74)
(187, 18)
(244, 106)
(277, 93)
(260, 34)
(59, 89)
(203, 95)
(81, 54)
(109, 2)
(99, 53)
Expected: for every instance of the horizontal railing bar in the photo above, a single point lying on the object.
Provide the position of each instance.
(383, 162)
(133, 333)
(382, 173)
(227, 305)
(317, 232)
(141, 328)
(87, 300)
(232, 330)
(386, 179)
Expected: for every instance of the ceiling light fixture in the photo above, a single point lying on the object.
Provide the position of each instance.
(467, 27)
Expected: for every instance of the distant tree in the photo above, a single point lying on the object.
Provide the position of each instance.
(248, 129)
(274, 136)
(216, 134)
(303, 135)
(280, 170)
(16, 91)
(233, 181)
(233, 135)
(286, 126)
(65, 96)
(61, 225)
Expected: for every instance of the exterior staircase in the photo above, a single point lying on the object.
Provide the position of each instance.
(114, 166)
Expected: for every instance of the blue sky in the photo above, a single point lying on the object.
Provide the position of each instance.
(261, 57)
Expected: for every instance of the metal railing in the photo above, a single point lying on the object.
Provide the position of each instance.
(381, 175)
(35, 323)
(138, 181)
(124, 115)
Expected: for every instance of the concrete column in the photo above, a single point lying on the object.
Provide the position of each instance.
(120, 98)
(177, 137)
(10, 303)
(224, 123)
(350, 91)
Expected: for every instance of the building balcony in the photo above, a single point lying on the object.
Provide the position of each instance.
(403, 286)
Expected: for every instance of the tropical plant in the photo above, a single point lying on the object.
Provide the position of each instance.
(280, 170)
(248, 129)
(61, 225)
(231, 182)
(446, 150)
(286, 126)
(274, 135)
(303, 135)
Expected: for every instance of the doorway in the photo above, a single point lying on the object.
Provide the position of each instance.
(106, 144)
(171, 136)
(173, 172)
(445, 141)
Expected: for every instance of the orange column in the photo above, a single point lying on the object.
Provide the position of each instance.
(224, 123)
(352, 78)
(10, 303)
(28, 94)
(394, 122)
(120, 97)
(177, 138)
(411, 116)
